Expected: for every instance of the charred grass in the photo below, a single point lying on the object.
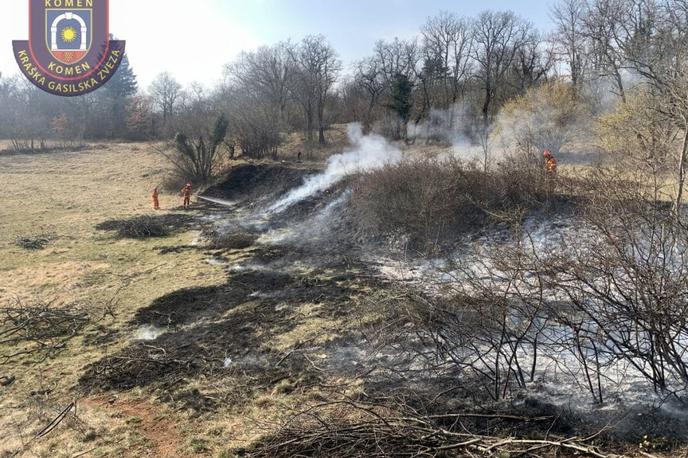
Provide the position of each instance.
(235, 240)
(248, 332)
(251, 182)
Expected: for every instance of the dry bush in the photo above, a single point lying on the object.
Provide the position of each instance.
(197, 157)
(431, 201)
(628, 283)
(545, 117)
(605, 298)
(486, 325)
(638, 135)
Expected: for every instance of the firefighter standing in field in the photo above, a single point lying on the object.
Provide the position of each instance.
(156, 200)
(550, 163)
(186, 194)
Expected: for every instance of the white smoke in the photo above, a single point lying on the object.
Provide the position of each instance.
(441, 126)
(369, 152)
(450, 127)
(148, 332)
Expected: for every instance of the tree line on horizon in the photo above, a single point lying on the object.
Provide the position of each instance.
(458, 73)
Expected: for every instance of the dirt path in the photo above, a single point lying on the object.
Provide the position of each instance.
(160, 430)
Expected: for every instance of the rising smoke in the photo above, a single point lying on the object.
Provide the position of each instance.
(369, 152)
(450, 127)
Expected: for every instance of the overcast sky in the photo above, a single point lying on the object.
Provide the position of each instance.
(193, 39)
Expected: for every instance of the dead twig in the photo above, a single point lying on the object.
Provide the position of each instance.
(56, 421)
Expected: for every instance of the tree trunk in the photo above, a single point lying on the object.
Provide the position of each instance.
(367, 123)
(488, 102)
(308, 112)
(681, 172)
(619, 84)
(321, 122)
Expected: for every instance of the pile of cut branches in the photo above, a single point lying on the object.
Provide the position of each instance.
(347, 428)
(140, 227)
(34, 242)
(38, 331)
(146, 226)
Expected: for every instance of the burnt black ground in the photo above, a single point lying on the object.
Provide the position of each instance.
(250, 183)
(141, 227)
(239, 320)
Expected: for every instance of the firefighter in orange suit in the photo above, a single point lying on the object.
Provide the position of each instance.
(186, 194)
(156, 201)
(550, 163)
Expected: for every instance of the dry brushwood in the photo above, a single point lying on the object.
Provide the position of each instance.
(38, 331)
(140, 227)
(146, 226)
(35, 242)
(346, 428)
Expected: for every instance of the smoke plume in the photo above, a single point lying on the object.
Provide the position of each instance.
(369, 152)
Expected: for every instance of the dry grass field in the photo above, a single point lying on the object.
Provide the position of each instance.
(62, 198)
(65, 195)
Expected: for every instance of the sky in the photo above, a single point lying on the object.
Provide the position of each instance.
(193, 39)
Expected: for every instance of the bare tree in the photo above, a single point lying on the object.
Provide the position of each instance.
(603, 23)
(253, 123)
(267, 73)
(498, 36)
(317, 68)
(447, 44)
(165, 91)
(369, 77)
(534, 61)
(397, 57)
(569, 19)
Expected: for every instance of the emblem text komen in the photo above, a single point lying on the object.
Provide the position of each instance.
(69, 51)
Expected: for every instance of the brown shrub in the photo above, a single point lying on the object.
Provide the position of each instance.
(430, 201)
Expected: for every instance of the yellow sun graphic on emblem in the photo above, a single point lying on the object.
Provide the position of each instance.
(68, 34)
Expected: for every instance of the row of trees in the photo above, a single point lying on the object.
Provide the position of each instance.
(27, 113)
(456, 75)
(480, 62)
